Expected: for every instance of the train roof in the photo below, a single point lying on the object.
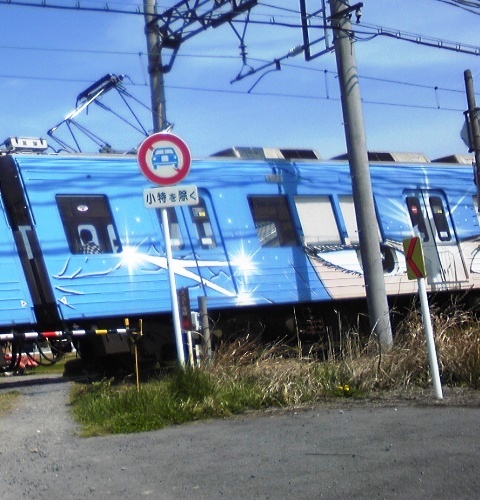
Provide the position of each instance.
(456, 158)
(20, 145)
(402, 157)
(260, 153)
(388, 156)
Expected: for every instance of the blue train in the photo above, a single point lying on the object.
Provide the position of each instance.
(274, 231)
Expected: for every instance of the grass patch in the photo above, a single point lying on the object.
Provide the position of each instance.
(247, 376)
(55, 368)
(8, 400)
(242, 377)
(185, 395)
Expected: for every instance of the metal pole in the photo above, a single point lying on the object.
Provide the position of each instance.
(157, 89)
(173, 289)
(432, 353)
(474, 132)
(360, 171)
(155, 68)
(207, 341)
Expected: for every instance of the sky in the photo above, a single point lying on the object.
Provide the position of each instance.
(413, 95)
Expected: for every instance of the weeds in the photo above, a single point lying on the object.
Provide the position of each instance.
(246, 375)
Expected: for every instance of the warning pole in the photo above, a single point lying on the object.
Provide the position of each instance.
(416, 269)
(427, 325)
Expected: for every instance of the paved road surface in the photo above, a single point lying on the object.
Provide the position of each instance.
(360, 451)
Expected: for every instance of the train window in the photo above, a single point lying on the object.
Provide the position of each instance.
(348, 212)
(202, 224)
(347, 208)
(416, 216)
(318, 220)
(176, 238)
(273, 221)
(439, 218)
(88, 224)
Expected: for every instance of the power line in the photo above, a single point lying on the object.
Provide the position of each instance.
(378, 31)
(267, 94)
(469, 6)
(389, 32)
(312, 97)
(76, 6)
(196, 56)
(203, 56)
(419, 39)
(71, 51)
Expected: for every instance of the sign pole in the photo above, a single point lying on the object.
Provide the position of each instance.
(416, 269)
(427, 324)
(164, 159)
(173, 289)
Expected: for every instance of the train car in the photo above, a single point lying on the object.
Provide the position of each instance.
(82, 251)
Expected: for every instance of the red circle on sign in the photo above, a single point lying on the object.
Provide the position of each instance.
(164, 158)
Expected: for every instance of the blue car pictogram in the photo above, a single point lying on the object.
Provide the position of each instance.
(164, 157)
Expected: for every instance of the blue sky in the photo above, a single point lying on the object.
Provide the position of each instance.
(414, 96)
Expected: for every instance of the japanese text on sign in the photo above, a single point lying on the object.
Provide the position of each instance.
(164, 197)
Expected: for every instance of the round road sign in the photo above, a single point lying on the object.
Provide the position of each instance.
(164, 159)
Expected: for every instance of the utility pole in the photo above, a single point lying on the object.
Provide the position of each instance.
(473, 129)
(377, 302)
(174, 26)
(157, 92)
(169, 30)
(155, 67)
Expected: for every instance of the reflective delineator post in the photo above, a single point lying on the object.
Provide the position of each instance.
(427, 325)
(416, 269)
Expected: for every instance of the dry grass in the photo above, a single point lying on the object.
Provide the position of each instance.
(358, 366)
(284, 377)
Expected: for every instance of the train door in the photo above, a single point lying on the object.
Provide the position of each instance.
(431, 220)
(17, 208)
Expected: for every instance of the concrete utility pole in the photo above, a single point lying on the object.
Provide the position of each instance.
(157, 92)
(474, 128)
(378, 309)
(174, 26)
(155, 68)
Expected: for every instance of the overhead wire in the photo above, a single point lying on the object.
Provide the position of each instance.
(465, 5)
(357, 33)
(75, 6)
(216, 56)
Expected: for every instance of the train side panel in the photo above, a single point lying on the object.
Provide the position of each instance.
(260, 231)
(264, 232)
(437, 203)
(129, 276)
(16, 302)
(433, 201)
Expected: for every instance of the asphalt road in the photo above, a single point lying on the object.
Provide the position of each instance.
(408, 450)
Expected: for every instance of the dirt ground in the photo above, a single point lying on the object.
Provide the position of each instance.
(391, 446)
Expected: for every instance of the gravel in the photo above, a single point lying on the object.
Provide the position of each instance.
(387, 448)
